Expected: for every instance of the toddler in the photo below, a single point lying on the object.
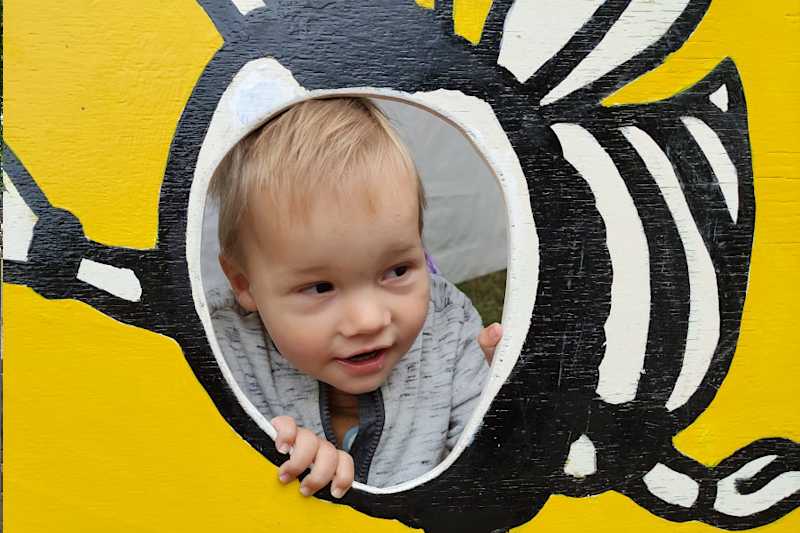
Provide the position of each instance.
(367, 364)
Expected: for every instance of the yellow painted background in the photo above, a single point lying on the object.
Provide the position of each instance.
(106, 428)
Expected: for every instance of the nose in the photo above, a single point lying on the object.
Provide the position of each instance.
(365, 314)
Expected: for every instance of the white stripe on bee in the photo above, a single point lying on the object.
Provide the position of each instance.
(121, 282)
(582, 458)
(671, 486)
(18, 223)
(731, 502)
(641, 24)
(720, 98)
(246, 6)
(628, 320)
(703, 328)
(535, 30)
(720, 162)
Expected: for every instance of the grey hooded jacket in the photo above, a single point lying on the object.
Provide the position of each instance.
(408, 425)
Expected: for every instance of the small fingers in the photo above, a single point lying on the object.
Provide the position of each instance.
(303, 454)
(323, 470)
(488, 339)
(345, 473)
(286, 429)
(495, 333)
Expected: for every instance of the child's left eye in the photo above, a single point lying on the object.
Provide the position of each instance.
(318, 288)
(397, 272)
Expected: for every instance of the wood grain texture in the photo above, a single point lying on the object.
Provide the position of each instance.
(108, 427)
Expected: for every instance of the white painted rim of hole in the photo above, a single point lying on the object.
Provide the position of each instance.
(491, 143)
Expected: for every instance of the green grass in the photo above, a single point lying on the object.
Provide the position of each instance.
(487, 293)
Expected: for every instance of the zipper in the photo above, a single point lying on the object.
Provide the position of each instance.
(325, 413)
(371, 419)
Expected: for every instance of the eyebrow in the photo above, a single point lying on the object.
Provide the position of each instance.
(308, 270)
(399, 250)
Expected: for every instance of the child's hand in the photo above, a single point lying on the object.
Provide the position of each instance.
(306, 450)
(489, 338)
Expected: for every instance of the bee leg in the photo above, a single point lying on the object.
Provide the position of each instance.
(755, 486)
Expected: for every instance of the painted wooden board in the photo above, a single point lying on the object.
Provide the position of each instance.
(648, 374)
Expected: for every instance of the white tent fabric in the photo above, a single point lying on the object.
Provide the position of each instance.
(465, 222)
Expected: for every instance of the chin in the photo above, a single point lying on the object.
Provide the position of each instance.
(362, 387)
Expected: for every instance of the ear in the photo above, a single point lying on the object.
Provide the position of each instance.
(239, 281)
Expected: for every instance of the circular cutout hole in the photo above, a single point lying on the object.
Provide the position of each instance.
(477, 200)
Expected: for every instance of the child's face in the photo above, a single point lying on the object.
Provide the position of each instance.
(348, 281)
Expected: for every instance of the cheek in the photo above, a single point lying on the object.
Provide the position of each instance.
(304, 348)
(298, 338)
(416, 310)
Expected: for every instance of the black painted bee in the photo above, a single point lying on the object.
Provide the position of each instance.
(637, 255)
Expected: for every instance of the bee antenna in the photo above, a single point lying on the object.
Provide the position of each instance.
(227, 17)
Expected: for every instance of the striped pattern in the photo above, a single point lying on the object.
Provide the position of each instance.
(630, 317)
(565, 46)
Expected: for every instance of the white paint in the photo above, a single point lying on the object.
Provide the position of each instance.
(582, 458)
(720, 98)
(229, 124)
(255, 95)
(703, 330)
(246, 6)
(671, 486)
(477, 121)
(18, 223)
(641, 24)
(730, 502)
(720, 162)
(534, 30)
(121, 282)
(628, 320)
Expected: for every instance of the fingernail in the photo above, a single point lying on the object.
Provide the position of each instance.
(305, 491)
(283, 478)
(336, 492)
(283, 448)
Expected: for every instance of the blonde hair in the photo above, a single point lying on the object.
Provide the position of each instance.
(316, 147)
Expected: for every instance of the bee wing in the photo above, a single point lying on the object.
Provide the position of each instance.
(571, 51)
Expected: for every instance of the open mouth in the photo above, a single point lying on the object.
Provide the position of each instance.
(364, 363)
(366, 356)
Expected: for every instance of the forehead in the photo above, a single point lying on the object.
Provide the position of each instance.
(377, 211)
(374, 183)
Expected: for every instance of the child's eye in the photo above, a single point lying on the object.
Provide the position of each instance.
(397, 272)
(318, 288)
